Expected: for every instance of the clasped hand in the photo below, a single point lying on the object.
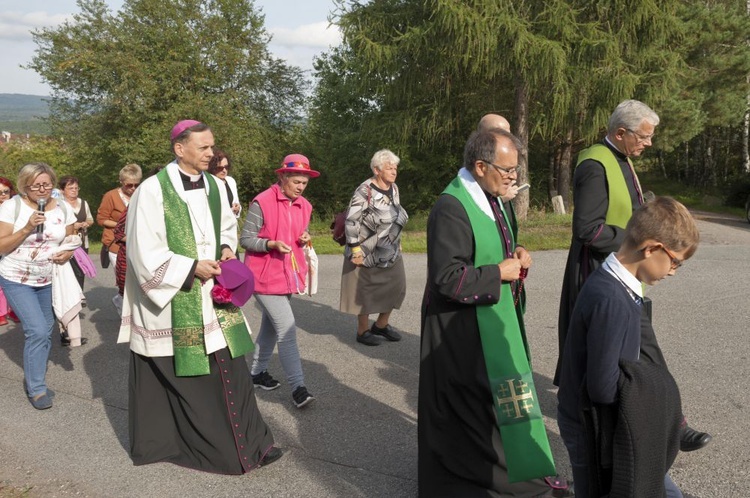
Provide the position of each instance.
(510, 269)
(207, 269)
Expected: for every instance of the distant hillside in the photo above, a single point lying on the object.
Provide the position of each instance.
(23, 113)
(19, 107)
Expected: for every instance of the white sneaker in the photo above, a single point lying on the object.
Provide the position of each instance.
(117, 301)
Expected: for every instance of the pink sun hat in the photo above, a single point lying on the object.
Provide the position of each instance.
(297, 164)
(182, 126)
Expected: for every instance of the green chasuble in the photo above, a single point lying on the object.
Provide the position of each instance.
(620, 206)
(519, 416)
(188, 341)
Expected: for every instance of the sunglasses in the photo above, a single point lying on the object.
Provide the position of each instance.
(130, 185)
(4, 192)
(222, 168)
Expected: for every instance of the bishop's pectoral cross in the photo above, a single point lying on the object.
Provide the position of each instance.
(203, 247)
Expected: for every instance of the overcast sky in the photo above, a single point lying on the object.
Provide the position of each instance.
(299, 27)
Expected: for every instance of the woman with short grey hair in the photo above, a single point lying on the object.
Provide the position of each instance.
(114, 204)
(373, 279)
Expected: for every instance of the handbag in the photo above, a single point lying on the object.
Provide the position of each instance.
(84, 263)
(312, 269)
(104, 256)
(338, 226)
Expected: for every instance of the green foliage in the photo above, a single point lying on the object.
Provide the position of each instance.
(416, 75)
(30, 127)
(35, 149)
(120, 82)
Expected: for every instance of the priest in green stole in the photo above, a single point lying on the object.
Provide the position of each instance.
(191, 398)
(481, 432)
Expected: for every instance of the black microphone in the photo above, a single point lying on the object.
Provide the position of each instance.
(41, 204)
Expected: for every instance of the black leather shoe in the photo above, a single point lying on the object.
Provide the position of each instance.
(368, 339)
(388, 332)
(691, 440)
(273, 454)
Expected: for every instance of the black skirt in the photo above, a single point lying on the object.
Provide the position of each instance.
(209, 422)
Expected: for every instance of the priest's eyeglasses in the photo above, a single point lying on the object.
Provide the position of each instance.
(503, 171)
(641, 138)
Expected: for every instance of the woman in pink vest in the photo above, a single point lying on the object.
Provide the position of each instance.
(273, 237)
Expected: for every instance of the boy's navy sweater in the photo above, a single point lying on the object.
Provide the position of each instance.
(604, 329)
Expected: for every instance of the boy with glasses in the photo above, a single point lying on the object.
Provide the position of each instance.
(606, 191)
(599, 408)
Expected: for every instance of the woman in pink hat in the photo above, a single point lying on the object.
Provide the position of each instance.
(273, 237)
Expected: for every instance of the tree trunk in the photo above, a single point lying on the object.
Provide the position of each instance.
(746, 124)
(553, 164)
(662, 164)
(521, 114)
(746, 128)
(564, 169)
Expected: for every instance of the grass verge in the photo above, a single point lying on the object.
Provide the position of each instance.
(539, 232)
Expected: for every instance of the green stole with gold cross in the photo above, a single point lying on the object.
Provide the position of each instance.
(519, 416)
(190, 358)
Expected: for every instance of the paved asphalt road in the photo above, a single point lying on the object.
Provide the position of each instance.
(359, 437)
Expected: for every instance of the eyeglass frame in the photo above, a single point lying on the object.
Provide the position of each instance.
(36, 188)
(131, 185)
(676, 262)
(226, 168)
(5, 192)
(504, 171)
(641, 138)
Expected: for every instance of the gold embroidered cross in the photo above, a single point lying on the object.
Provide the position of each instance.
(515, 400)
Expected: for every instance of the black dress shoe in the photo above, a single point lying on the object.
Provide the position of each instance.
(388, 332)
(368, 339)
(273, 454)
(691, 440)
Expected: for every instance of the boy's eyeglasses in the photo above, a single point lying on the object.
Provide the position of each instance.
(676, 263)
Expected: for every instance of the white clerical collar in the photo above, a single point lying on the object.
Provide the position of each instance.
(173, 172)
(606, 139)
(193, 178)
(616, 269)
(476, 192)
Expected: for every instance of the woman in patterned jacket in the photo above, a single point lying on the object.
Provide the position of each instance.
(373, 279)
